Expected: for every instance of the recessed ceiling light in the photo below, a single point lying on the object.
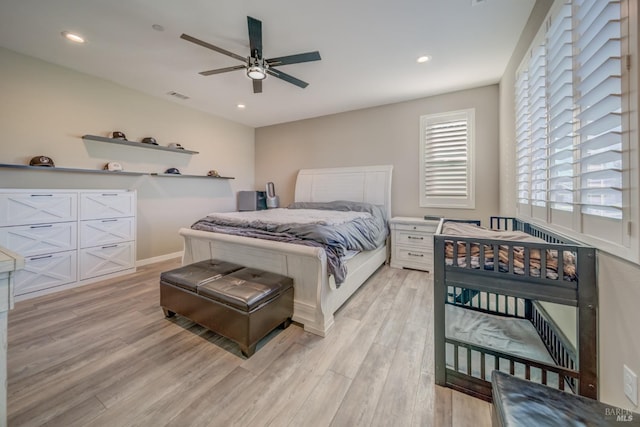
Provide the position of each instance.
(157, 27)
(72, 37)
(423, 59)
(241, 106)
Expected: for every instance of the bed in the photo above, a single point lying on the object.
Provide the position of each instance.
(501, 298)
(316, 295)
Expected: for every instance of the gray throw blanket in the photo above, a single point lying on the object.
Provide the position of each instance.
(365, 232)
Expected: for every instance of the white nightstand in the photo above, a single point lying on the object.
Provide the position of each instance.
(412, 243)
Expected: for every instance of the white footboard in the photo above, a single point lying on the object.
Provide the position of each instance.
(315, 296)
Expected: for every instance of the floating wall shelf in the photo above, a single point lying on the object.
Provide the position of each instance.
(58, 169)
(115, 173)
(136, 144)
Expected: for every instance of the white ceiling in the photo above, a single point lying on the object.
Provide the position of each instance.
(368, 48)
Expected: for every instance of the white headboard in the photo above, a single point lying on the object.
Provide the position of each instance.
(370, 184)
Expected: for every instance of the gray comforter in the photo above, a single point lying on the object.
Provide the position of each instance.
(366, 232)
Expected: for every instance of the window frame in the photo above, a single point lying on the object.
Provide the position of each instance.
(450, 202)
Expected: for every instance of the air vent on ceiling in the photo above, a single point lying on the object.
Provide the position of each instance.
(177, 95)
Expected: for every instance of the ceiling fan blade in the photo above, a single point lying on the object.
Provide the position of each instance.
(294, 59)
(222, 70)
(212, 47)
(287, 78)
(257, 86)
(255, 36)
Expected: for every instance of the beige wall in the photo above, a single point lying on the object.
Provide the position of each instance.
(389, 134)
(47, 108)
(619, 290)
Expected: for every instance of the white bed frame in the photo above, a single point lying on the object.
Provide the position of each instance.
(316, 297)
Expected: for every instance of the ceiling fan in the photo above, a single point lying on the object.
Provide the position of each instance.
(257, 67)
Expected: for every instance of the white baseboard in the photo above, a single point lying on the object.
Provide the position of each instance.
(141, 262)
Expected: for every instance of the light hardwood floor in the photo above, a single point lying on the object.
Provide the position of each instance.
(104, 355)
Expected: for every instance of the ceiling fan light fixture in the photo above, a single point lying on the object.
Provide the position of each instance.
(256, 72)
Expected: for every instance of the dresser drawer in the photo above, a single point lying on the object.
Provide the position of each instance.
(101, 260)
(105, 231)
(29, 240)
(107, 204)
(46, 271)
(37, 208)
(414, 238)
(423, 228)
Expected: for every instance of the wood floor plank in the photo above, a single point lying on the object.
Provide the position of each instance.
(401, 388)
(359, 405)
(349, 359)
(105, 355)
(321, 406)
(469, 411)
(205, 408)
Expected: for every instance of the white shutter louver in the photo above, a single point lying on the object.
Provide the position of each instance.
(523, 142)
(561, 111)
(538, 135)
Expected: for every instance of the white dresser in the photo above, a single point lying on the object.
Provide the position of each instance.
(68, 237)
(9, 263)
(412, 242)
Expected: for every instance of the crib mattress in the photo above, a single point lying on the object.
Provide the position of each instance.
(507, 335)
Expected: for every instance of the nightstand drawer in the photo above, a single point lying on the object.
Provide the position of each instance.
(423, 228)
(413, 255)
(415, 239)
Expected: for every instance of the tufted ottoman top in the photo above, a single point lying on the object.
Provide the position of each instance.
(191, 276)
(245, 289)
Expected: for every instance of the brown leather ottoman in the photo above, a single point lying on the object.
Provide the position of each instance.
(521, 403)
(242, 304)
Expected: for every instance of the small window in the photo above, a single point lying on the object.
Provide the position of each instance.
(446, 160)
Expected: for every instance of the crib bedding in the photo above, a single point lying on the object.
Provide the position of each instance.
(518, 252)
(338, 227)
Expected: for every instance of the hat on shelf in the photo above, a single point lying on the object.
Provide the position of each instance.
(113, 167)
(213, 172)
(176, 146)
(173, 171)
(116, 134)
(42, 161)
(150, 140)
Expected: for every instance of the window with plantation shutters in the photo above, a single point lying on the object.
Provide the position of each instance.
(572, 126)
(446, 161)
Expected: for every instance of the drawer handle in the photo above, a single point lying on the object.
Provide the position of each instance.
(109, 220)
(40, 257)
(418, 255)
(415, 238)
(109, 194)
(41, 226)
(42, 195)
(109, 246)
